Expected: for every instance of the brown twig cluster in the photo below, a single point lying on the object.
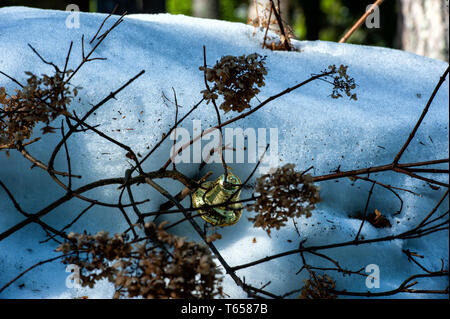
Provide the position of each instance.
(265, 19)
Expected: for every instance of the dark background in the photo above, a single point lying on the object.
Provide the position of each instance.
(310, 19)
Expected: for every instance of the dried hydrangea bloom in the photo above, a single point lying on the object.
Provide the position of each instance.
(42, 99)
(282, 195)
(236, 79)
(318, 287)
(163, 266)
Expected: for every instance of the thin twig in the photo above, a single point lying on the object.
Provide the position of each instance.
(176, 121)
(422, 116)
(365, 211)
(404, 287)
(31, 268)
(286, 43)
(101, 25)
(267, 29)
(219, 122)
(416, 232)
(360, 21)
(12, 79)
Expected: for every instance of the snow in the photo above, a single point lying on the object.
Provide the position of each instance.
(313, 129)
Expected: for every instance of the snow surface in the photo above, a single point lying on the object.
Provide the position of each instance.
(393, 87)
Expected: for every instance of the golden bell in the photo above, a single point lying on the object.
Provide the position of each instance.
(216, 193)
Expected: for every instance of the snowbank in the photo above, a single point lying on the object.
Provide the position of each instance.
(313, 129)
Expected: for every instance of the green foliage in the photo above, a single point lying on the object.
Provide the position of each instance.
(179, 7)
(231, 10)
(298, 24)
(342, 14)
(333, 19)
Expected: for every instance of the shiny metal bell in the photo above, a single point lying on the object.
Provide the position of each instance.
(216, 193)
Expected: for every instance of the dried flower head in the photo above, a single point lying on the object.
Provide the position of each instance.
(236, 79)
(342, 82)
(283, 194)
(94, 254)
(166, 266)
(376, 219)
(42, 99)
(318, 287)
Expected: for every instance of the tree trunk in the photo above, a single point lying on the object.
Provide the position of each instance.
(205, 8)
(261, 9)
(313, 19)
(423, 27)
(82, 4)
(151, 6)
(132, 6)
